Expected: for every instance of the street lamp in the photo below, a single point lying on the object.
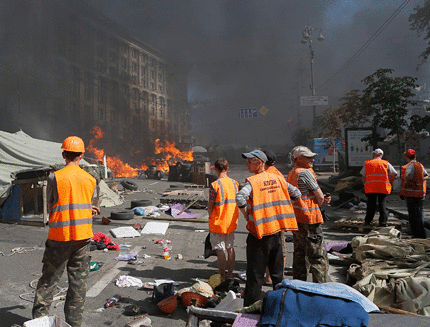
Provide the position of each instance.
(307, 38)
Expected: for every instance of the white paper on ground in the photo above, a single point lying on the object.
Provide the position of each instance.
(124, 232)
(46, 321)
(155, 227)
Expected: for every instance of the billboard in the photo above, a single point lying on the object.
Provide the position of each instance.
(325, 150)
(357, 151)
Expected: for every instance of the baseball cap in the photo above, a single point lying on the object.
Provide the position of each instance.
(300, 150)
(255, 154)
(271, 157)
(410, 153)
(378, 151)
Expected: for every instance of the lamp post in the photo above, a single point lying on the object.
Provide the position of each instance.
(307, 38)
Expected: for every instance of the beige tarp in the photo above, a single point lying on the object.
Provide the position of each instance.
(391, 271)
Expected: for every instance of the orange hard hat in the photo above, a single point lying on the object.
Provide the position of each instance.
(73, 144)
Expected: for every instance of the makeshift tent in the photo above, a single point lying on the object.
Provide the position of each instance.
(19, 151)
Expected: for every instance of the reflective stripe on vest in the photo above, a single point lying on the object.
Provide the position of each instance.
(70, 218)
(269, 206)
(416, 187)
(306, 207)
(376, 179)
(225, 213)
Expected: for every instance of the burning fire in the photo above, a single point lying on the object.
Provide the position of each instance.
(165, 154)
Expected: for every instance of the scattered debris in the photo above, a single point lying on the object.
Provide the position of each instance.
(127, 281)
(155, 227)
(357, 224)
(126, 257)
(121, 232)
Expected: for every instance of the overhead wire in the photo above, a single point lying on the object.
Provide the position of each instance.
(367, 43)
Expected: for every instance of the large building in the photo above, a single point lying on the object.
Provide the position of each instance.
(65, 68)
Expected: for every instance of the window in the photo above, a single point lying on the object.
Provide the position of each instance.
(134, 67)
(123, 48)
(123, 63)
(154, 104)
(102, 89)
(100, 66)
(136, 94)
(135, 53)
(88, 87)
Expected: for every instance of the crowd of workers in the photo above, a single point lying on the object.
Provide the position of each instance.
(270, 202)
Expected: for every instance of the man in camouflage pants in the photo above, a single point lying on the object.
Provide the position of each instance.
(70, 200)
(309, 244)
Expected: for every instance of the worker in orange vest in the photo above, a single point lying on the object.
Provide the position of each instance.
(377, 177)
(269, 166)
(223, 218)
(72, 205)
(413, 189)
(309, 244)
(266, 205)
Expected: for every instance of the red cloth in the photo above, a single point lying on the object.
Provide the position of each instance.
(106, 240)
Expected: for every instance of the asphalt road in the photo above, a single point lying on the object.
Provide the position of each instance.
(20, 271)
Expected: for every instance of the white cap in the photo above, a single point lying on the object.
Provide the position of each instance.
(378, 151)
(301, 150)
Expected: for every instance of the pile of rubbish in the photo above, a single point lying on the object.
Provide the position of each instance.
(392, 272)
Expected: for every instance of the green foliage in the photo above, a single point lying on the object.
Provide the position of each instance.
(383, 104)
(386, 99)
(331, 123)
(419, 123)
(352, 112)
(301, 136)
(420, 22)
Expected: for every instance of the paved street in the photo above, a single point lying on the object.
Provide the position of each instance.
(21, 270)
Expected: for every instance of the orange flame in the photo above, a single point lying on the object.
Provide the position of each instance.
(164, 156)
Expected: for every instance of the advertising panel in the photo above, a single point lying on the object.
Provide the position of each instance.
(357, 151)
(324, 148)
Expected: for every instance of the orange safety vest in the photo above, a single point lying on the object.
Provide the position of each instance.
(306, 207)
(274, 170)
(416, 187)
(376, 179)
(269, 207)
(225, 213)
(70, 218)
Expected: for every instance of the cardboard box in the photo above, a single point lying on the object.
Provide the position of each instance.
(47, 321)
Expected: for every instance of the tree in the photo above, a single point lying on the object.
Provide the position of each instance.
(386, 99)
(350, 113)
(331, 123)
(420, 22)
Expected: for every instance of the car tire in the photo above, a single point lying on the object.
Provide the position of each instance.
(158, 175)
(140, 203)
(129, 185)
(122, 215)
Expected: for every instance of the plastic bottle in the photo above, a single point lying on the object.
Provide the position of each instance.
(166, 253)
(112, 301)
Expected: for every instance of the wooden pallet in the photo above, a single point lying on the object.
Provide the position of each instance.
(355, 224)
(195, 186)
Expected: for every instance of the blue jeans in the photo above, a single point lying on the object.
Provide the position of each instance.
(416, 216)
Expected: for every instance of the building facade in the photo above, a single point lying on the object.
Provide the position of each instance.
(67, 67)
